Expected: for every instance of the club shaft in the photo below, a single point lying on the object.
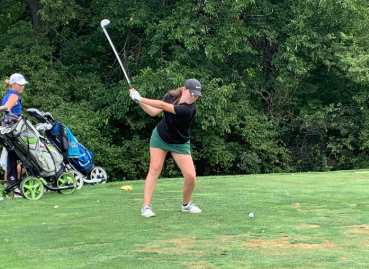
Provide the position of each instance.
(118, 58)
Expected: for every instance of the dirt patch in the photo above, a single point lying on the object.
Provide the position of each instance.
(281, 246)
(198, 265)
(358, 229)
(229, 239)
(307, 226)
(296, 206)
(184, 245)
(198, 248)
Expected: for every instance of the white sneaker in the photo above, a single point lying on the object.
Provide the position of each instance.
(192, 208)
(17, 193)
(147, 212)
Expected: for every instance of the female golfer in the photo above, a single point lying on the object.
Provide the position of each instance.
(171, 134)
(13, 102)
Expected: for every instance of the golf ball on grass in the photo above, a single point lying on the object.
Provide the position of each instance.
(251, 215)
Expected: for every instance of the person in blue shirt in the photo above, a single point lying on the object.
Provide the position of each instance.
(13, 102)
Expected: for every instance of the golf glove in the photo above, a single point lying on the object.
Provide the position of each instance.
(135, 96)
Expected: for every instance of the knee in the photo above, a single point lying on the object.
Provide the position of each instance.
(191, 177)
(155, 170)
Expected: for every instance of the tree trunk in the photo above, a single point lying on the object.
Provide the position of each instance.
(38, 23)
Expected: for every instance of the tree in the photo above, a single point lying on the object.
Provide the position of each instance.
(38, 23)
(284, 82)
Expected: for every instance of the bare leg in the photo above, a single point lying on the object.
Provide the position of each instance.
(185, 163)
(157, 157)
(20, 171)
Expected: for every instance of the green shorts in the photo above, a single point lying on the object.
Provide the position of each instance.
(157, 142)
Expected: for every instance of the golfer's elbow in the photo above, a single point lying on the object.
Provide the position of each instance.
(167, 107)
(155, 113)
(150, 112)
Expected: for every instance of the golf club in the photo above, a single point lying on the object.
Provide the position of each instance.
(103, 24)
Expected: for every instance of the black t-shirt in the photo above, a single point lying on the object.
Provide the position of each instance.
(174, 128)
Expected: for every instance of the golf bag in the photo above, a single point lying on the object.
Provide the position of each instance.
(42, 162)
(75, 154)
(82, 157)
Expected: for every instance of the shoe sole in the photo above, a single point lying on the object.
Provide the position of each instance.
(190, 211)
(148, 216)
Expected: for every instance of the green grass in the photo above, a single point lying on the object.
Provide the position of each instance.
(307, 220)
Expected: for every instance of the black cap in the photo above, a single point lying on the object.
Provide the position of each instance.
(194, 86)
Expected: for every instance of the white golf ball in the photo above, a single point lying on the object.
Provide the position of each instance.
(251, 215)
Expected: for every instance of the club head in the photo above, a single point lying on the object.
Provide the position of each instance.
(104, 23)
(34, 112)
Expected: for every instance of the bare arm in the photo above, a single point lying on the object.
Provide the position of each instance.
(12, 101)
(151, 106)
(158, 105)
(152, 111)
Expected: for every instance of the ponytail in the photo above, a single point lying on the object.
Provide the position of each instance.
(177, 93)
(7, 84)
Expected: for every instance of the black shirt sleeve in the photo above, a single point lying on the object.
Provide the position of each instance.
(168, 98)
(183, 111)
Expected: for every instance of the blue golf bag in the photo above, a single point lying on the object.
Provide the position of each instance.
(79, 156)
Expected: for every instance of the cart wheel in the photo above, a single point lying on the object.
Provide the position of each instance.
(98, 174)
(79, 178)
(32, 188)
(66, 179)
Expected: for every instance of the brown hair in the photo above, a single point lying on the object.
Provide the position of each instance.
(7, 84)
(177, 93)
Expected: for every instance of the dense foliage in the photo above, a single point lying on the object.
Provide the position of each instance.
(284, 83)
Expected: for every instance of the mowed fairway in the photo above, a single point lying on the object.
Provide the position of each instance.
(307, 220)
